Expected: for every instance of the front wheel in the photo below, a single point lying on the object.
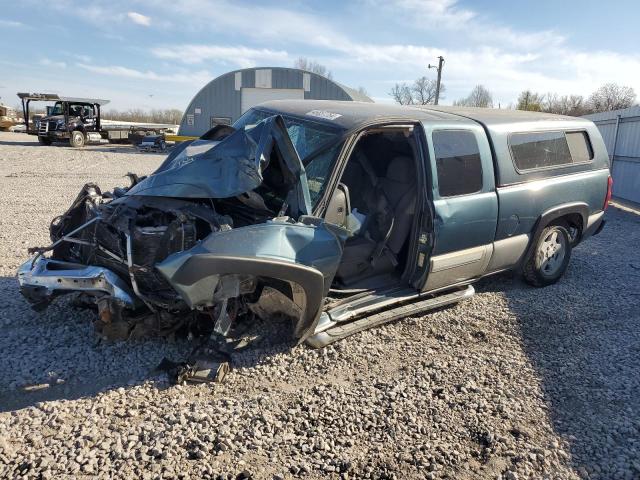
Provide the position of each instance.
(550, 257)
(77, 139)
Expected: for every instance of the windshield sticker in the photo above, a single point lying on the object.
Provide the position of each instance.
(324, 114)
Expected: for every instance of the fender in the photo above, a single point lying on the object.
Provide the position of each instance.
(77, 126)
(305, 254)
(195, 275)
(549, 216)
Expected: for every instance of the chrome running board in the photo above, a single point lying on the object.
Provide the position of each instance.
(338, 331)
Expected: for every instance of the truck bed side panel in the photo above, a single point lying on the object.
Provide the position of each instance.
(521, 205)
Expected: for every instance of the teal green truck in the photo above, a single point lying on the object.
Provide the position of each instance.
(336, 216)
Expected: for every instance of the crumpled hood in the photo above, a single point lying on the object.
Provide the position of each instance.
(227, 168)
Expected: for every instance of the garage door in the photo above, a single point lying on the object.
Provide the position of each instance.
(254, 96)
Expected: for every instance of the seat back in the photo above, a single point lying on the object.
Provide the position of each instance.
(400, 188)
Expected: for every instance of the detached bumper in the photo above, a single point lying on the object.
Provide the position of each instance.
(49, 278)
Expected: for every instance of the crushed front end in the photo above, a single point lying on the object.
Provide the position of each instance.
(208, 243)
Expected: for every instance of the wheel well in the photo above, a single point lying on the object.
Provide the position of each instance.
(574, 220)
(573, 214)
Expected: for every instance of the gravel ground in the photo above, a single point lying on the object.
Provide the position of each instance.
(514, 383)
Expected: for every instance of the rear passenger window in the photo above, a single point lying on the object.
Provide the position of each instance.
(549, 149)
(457, 162)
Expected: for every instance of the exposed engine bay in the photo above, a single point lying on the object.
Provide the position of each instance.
(218, 236)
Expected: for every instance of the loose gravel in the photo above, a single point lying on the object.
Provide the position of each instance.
(515, 383)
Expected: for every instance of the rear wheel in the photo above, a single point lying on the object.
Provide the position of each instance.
(44, 141)
(77, 139)
(550, 257)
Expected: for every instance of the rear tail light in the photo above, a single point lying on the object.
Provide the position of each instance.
(607, 199)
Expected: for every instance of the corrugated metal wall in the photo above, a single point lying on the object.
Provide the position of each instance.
(624, 149)
(220, 99)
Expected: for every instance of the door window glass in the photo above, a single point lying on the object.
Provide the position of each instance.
(318, 169)
(458, 162)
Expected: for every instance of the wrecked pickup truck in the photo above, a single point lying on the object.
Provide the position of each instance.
(335, 216)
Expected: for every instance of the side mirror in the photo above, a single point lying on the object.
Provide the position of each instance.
(339, 206)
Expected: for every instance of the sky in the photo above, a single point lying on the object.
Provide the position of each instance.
(159, 54)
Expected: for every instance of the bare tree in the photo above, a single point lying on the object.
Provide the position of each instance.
(401, 93)
(611, 97)
(528, 100)
(573, 105)
(479, 97)
(363, 91)
(424, 90)
(421, 92)
(170, 116)
(304, 63)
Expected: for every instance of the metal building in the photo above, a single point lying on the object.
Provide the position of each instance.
(620, 130)
(225, 98)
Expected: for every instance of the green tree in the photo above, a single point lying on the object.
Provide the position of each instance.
(528, 100)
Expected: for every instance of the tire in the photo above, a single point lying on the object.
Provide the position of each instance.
(44, 141)
(163, 145)
(77, 139)
(550, 257)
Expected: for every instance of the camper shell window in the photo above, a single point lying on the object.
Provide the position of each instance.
(550, 149)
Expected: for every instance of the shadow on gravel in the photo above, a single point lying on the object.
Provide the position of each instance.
(20, 143)
(582, 336)
(118, 148)
(107, 148)
(56, 354)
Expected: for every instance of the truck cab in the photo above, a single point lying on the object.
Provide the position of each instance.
(70, 119)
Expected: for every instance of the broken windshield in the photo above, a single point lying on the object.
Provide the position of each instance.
(317, 145)
(307, 136)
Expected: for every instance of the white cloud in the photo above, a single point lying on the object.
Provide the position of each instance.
(11, 23)
(195, 78)
(52, 63)
(447, 17)
(442, 13)
(264, 24)
(506, 74)
(404, 36)
(83, 58)
(243, 57)
(138, 18)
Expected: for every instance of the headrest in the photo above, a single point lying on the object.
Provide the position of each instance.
(401, 170)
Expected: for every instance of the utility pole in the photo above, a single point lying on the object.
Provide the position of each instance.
(439, 70)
